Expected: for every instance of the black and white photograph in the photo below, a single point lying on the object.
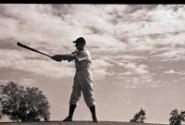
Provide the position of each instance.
(86, 64)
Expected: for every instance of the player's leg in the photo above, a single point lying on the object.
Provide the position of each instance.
(93, 112)
(75, 95)
(70, 115)
(89, 99)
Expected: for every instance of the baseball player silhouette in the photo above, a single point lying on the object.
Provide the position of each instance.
(83, 79)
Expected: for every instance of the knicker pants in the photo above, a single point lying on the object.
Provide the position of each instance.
(82, 84)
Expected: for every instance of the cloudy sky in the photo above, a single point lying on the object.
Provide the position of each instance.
(138, 54)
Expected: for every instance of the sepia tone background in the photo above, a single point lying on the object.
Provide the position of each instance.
(137, 56)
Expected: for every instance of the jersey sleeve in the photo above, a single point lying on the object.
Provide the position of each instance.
(81, 55)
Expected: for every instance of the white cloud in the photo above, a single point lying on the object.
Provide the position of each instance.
(172, 55)
(122, 60)
(118, 32)
(17, 60)
(36, 26)
(98, 63)
(144, 81)
(99, 68)
(46, 68)
(136, 69)
(171, 71)
(42, 25)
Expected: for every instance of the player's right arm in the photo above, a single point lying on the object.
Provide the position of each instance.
(59, 58)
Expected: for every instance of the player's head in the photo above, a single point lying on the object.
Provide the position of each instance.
(80, 43)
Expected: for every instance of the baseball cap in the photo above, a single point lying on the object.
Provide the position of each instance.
(80, 40)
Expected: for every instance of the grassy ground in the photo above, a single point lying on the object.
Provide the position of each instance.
(75, 123)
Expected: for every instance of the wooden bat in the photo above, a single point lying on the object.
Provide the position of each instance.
(32, 49)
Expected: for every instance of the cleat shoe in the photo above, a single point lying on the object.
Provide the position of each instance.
(68, 119)
(95, 119)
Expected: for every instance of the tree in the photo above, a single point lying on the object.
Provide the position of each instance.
(139, 117)
(24, 104)
(0, 107)
(176, 117)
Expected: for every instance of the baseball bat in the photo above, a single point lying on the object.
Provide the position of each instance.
(32, 49)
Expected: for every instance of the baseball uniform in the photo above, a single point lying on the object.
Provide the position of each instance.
(83, 80)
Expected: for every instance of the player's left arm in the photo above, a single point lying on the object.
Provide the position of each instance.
(82, 56)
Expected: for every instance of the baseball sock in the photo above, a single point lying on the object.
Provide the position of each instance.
(71, 112)
(93, 112)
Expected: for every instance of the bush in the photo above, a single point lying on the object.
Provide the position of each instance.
(176, 117)
(139, 117)
(24, 104)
